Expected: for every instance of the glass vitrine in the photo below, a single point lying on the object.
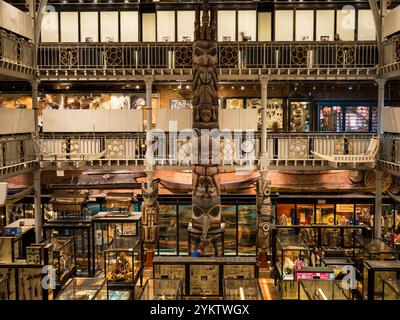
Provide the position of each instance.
(123, 263)
(377, 249)
(84, 289)
(185, 216)
(162, 289)
(247, 215)
(331, 118)
(167, 243)
(375, 273)
(325, 214)
(63, 258)
(107, 228)
(228, 214)
(285, 214)
(344, 214)
(242, 289)
(299, 116)
(391, 289)
(364, 214)
(323, 290)
(305, 214)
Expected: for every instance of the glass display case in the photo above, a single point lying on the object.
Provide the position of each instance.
(247, 216)
(357, 119)
(162, 289)
(299, 116)
(323, 290)
(375, 273)
(242, 289)
(107, 228)
(84, 289)
(325, 213)
(63, 258)
(338, 264)
(331, 118)
(123, 263)
(364, 214)
(184, 218)
(391, 289)
(228, 214)
(285, 214)
(81, 230)
(167, 243)
(305, 214)
(377, 249)
(291, 255)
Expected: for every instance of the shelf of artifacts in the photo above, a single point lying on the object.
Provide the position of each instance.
(67, 216)
(124, 264)
(22, 278)
(162, 289)
(317, 289)
(84, 289)
(375, 273)
(203, 276)
(22, 229)
(242, 289)
(81, 231)
(64, 259)
(290, 254)
(109, 227)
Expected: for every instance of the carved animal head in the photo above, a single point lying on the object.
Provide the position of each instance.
(150, 194)
(206, 218)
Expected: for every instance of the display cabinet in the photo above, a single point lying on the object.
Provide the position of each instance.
(247, 226)
(162, 289)
(107, 228)
(299, 116)
(203, 276)
(377, 249)
(375, 273)
(124, 263)
(338, 265)
(64, 259)
(391, 289)
(242, 289)
(10, 249)
(228, 216)
(167, 242)
(81, 230)
(67, 204)
(84, 289)
(323, 290)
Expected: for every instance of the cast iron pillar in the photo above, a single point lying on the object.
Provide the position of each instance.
(38, 205)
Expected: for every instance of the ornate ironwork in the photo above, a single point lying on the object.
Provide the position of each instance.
(113, 56)
(299, 55)
(183, 56)
(228, 56)
(345, 55)
(69, 56)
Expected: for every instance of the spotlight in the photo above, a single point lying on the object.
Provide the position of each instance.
(350, 88)
(187, 87)
(242, 88)
(232, 87)
(137, 87)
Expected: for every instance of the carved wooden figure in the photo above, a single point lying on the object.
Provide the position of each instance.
(150, 214)
(206, 201)
(264, 216)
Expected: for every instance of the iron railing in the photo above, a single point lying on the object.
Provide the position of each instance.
(16, 50)
(391, 51)
(176, 148)
(86, 56)
(390, 148)
(16, 149)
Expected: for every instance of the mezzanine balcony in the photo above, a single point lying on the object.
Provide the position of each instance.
(391, 57)
(16, 57)
(237, 60)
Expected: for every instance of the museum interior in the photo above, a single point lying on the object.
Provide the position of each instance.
(184, 150)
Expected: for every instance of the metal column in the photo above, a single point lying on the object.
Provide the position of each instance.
(149, 120)
(38, 206)
(381, 103)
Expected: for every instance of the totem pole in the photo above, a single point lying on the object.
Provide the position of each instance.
(206, 200)
(264, 218)
(150, 212)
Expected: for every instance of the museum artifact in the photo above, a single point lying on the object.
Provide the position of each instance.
(150, 210)
(206, 201)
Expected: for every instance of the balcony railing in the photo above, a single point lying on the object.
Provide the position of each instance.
(270, 55)
(16, 50)
(391, 54)
(176, 148)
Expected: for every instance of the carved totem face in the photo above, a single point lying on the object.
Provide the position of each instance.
(205, 54)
